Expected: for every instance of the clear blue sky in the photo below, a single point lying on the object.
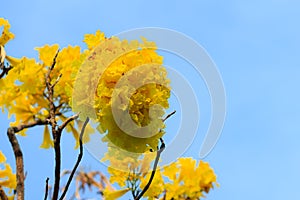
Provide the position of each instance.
(255, 45)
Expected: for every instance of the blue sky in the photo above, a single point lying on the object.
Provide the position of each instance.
(255, 45)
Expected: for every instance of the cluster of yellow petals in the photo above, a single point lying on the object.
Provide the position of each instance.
(182, 179)
(6, 34)
(7, 177)
(23, 90)
(135, 63)
(105, 62)
(188, 180)
(93, 40)
(120, 163)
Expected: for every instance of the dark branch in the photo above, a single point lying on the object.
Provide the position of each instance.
(18, 153)
(46, 188)
(5, 70)
(54, 61)
(19, 162)
(78, 160)
(169, 115)
(158, 153)
(29, 125)
(53, 85)
(50, 95)
(65, 123)
(3, 196)
(56, 134)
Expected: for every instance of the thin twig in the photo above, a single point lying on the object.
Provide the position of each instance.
(158, 153)
(169, 115)
(55, 133)
(3, 196)
(46, 188)
(58, 78)
(78, 160)
(50, 96)
(65, 123)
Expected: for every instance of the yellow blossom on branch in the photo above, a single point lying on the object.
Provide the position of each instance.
(124, 86)
(92, 40)
(188, 180)
(182, 179)
(7, 177)
(6, 34)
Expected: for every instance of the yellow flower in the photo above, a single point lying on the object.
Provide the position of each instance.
(92, 40)
(118, 176)
(13, 61)
(157, 185)
(47, 141)
(129, 79)
(7, 177)
(112, 195)
(47, 53)
(187, 168)
(188, 180)
(171, 171)
(6, 34)
(23, 89)
(2, 157)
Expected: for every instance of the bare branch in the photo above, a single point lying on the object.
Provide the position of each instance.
(54, 61)
(51, 95)
(158, 153)
(78, 160)
(3, 196)
(46, 188)
(55, 133)
(11, 131)
(169, 115)
(53, 85)
(57, 152)
(29, 125)
(19, 162)
(65, 123)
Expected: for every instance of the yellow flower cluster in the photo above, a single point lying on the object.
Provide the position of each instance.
(145, 86)
(182, 179)
(6, 34)
(188, 180)
(122, 83)
(7, 177)
(122, 162)
(23, 90)
(93, 40)
(18, 94)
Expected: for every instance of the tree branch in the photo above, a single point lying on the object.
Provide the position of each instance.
(169, 115)
(56, 134)
(5, 70)
(158, 153)
(53, 85)
(3, 196)
(11, 131)
(19, 162)
(65, 123)
(50, 96)
(29, 125)
(46, 188)
(78, 160)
